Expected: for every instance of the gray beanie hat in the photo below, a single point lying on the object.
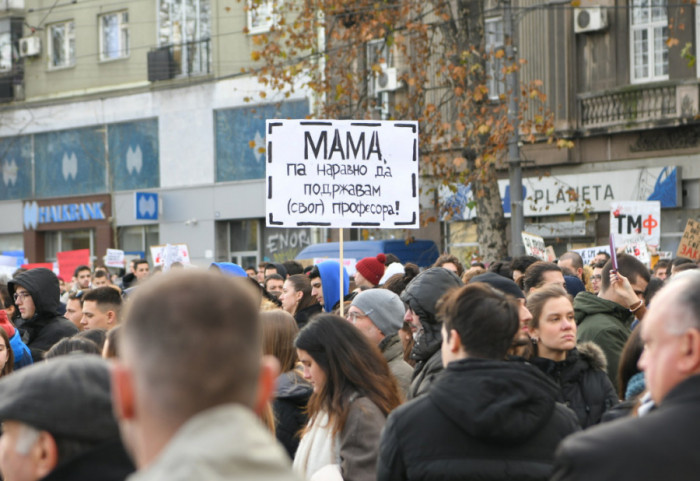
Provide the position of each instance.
(384, 308)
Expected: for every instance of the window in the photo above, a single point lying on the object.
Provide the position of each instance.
(495, 43)
(186, 26)
(61, 45)
(648, 36)
(114, 35)
(261, 15)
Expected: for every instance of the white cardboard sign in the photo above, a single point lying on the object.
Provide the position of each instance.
(114, 258)
(342, 173)
(534, 246)
(636, 223)
(589, 253)
(165, 255)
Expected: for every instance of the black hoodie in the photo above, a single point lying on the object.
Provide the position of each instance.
(422, 295)
(480, 420)
(47, 326)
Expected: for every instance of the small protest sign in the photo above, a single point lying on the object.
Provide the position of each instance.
(589, 253)
(69, 260)
(640, 251)
(170, 253)
(534, 246)
(114, 258)
(342, 173)
(636, 222)
(690, 242)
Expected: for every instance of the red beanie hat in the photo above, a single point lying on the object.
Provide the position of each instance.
(6, 324)
(372, 268)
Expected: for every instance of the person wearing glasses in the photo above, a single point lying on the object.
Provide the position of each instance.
(36, 296)
(378, 314)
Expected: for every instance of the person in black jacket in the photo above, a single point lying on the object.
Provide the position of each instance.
(662, 444)
(421, 296)
(578, 369)
(293, 392)
(483, 418)
(36, 294)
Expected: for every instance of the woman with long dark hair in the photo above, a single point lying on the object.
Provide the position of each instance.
(353, 392)
(297, 300)
(579, 369)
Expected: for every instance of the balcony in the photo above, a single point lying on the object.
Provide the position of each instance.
(638, 106)
(180, 60)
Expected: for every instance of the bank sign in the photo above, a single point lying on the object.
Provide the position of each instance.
(578, 193)
(34, 215)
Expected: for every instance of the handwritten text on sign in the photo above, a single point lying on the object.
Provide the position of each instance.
(690, 242)
(342, 173)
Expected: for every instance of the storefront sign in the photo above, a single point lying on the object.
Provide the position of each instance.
(35, 215)
(575, 193)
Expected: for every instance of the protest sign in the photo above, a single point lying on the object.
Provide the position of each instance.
(589, 253)
(69, 260)
(342, 173)
(636, 222)
(114, 258)
(640, 251)
(45, 265)
(690, 242)
(170, 253)
(534, 246)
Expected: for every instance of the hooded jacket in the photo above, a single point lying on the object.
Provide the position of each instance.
(289, 407)
(583, 382)
(330, 282)
(421, 295)
(482, 419)
(606, 323)
(46, 327)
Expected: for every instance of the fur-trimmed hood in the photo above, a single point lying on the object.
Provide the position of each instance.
(593, 354)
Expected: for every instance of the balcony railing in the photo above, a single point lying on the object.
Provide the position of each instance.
(636, 105)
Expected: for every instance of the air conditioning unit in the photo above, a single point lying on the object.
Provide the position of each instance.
(590, 19)
(29, 46)
(387, 80)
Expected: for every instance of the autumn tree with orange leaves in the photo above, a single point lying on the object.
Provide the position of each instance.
(338, 51)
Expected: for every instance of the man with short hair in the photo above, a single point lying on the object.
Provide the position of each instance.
(483, 418)
(660, 268)
(100, 279)
(36, 295)
(378, 314)
(606, 319)
(273, 284)
(574, 262)
(597, 277)
(74, 308)
(141, 269)
(185, 392)
(101, 309)
(663, 443)
(82, 277)
(58, 424)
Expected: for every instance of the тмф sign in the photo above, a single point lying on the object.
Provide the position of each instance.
(342, 173)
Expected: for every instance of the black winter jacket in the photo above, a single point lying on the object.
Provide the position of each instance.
(421, 295)
(584, 384)
(106, 461)
(289, 407)
(495, 420)
(304, 316)
(46, 327)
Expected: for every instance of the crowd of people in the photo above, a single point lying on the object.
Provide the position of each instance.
(519, 369)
